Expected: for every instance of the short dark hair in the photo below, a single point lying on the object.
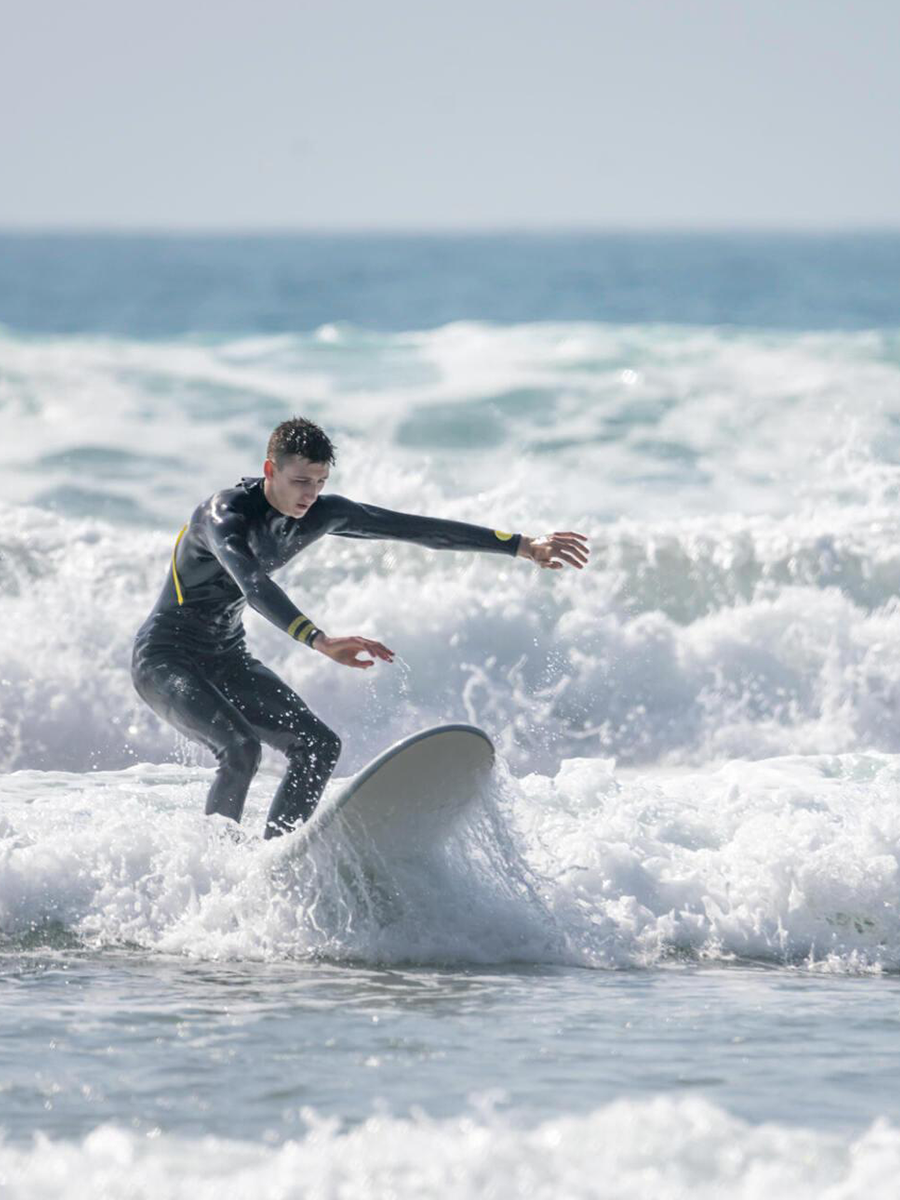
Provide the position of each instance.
(299, 436)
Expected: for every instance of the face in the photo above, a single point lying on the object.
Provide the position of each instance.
(293, 487)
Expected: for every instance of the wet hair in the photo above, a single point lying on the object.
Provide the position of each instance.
(299, 436)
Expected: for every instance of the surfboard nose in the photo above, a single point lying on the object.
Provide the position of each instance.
(412, 793)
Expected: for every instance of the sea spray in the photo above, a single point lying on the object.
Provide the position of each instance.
(792, 861)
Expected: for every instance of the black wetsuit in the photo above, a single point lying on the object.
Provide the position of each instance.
(191, 663)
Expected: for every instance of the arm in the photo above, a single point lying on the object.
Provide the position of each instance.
(226, 537)
(368, 521)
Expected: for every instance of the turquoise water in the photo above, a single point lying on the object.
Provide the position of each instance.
(661, 958)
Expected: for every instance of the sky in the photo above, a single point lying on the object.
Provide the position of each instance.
(476, 114)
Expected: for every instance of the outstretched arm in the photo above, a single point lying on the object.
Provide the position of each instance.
(355, 520)
(368, 521)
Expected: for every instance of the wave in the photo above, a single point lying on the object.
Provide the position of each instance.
(636, 1148)
(682, 642)
(578, 417)
(789, 861)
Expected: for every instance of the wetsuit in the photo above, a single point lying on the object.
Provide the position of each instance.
(191, 663)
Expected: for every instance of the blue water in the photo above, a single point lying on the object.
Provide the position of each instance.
(662, 959)
(161, 286)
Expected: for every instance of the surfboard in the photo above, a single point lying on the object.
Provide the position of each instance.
(410, 795)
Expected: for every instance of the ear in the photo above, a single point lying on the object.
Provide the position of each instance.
(268, 468)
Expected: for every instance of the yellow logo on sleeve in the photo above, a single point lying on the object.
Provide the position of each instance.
(504, 537)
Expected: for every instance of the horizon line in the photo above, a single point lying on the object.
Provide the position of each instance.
(99, 229)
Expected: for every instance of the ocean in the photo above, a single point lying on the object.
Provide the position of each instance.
(662, 957)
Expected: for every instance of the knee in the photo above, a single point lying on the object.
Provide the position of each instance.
(320, 744)
(243, 754)
(328, 748)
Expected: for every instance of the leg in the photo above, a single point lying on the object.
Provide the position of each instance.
(281, 719)
(178, 690)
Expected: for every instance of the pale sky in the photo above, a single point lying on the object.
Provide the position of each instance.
(407, 114)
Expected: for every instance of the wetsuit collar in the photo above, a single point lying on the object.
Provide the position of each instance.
(256, 483)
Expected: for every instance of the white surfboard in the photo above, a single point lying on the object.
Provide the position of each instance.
(410, 795)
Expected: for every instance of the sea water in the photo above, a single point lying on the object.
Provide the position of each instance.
(662, 955)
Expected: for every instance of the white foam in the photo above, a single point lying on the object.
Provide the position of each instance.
(681, 643)
(741, 494)
(128, 858)
(662, 1149)
(793, 860)
(650, 419)
(740, 490)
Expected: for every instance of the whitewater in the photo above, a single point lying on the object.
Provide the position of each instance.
(662, 955)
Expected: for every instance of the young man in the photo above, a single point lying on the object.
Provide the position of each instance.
(191, 663)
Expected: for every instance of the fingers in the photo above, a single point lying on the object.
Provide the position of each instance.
(354, 647)
(379, 650)
(376, 649)
(356, 662)
(571, 547)
(553, 555)
(571, 543)
(571, 558)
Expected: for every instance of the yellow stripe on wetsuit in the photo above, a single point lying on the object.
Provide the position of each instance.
(176, 580)
(301, 628)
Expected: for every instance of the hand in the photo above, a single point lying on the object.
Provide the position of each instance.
(546, 551)
(346, 650)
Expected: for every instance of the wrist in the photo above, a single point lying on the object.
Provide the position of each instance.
(318, 640)
(524, 550)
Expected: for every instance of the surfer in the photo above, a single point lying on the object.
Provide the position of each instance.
(191, 663)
